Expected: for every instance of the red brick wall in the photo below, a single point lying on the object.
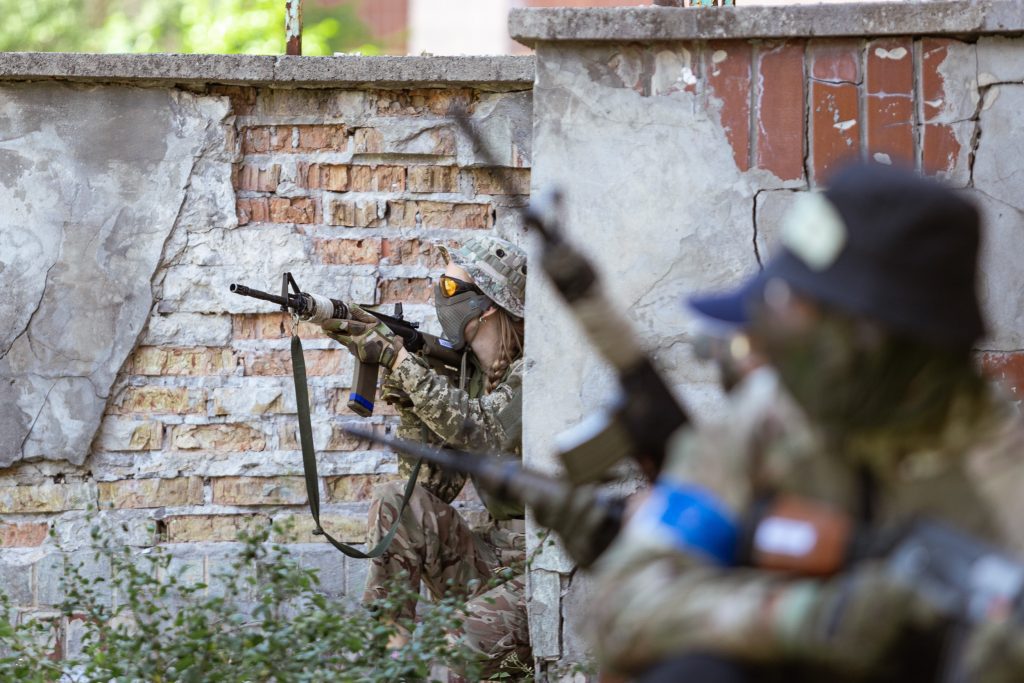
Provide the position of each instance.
(800, 109)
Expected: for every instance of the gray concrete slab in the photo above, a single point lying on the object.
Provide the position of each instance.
(492, 73)
(530, 26)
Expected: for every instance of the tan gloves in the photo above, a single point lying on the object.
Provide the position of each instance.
(369, 340)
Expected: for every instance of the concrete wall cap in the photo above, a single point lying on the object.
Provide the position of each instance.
(491, 72)
(928, 17)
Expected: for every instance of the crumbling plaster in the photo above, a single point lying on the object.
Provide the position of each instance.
(93, 183)
(655, 231)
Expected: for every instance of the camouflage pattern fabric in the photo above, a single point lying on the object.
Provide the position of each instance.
(497, 267)
(433, 410)
(434, 544)
(654, 601)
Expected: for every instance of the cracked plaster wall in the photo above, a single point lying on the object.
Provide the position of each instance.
(669, 195)
(92, 180)
(655, 198)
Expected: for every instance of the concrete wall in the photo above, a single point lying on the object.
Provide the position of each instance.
(135, 190)
(680, 136)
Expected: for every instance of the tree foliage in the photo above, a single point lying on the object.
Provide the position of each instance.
(189, 26)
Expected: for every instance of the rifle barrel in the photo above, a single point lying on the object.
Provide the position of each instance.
(257, 294)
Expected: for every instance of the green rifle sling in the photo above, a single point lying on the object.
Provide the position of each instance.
(309, 465)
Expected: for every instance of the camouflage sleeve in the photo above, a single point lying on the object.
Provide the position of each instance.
(444, 484)
(450, 413)
(653, 604)
(656, 600)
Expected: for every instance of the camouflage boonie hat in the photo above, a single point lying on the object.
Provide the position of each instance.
(497, 266)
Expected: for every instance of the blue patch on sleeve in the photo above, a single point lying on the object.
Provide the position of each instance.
(692, 519)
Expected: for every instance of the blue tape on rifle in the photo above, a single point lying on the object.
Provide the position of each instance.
(361, 401)
(692, 519)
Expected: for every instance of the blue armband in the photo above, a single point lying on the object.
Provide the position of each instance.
(692, 519)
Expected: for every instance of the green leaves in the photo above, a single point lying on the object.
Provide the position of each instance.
(147, 620)
(189, 26)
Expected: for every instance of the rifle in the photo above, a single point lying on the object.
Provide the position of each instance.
(646, 413)
(585, 517)
(966, 579)
(317, 308)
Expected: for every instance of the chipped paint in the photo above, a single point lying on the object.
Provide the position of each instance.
(293, 27)
(719, 56)
(991, 95)
(845, 125)
(882, 158)
(672, 72)
(933, 103)
(896, 53)
(985, 79)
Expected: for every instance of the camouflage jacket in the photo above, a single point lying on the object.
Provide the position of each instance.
(654, 601)
(434, 410)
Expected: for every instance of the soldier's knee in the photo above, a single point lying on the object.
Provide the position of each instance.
(389, 493)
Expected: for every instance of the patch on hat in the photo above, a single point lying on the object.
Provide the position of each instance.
(814, 231)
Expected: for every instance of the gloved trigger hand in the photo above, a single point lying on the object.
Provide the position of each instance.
(342, 330)
(372, 341)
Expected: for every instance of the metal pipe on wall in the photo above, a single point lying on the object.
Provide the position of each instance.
(293, 27)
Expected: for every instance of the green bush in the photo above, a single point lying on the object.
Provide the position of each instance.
(190, 26)
(270, 622)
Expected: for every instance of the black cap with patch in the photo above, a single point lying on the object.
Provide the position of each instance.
(892, 246)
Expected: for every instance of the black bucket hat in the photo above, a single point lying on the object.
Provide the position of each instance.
(886, 244)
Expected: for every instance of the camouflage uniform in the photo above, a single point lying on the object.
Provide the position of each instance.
(655, 602)
(434, 544)
(867, 313)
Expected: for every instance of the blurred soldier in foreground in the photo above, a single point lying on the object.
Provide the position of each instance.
(868, 314)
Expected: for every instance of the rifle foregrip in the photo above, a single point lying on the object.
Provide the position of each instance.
(364, 388)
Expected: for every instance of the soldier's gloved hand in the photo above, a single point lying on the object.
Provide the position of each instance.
(369, 340)
(853, 620)
(994, 653)
(582, 522)
(396, 397)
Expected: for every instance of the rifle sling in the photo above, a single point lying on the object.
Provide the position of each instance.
(309, 465)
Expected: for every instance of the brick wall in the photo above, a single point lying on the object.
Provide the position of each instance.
(348, 189)
(800, 109)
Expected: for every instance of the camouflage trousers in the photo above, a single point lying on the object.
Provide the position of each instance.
(435, 545)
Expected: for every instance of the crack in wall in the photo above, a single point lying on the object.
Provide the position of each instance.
(981, 106)
(31, 428)
(39, 304)
(808, 104)
(753, 212)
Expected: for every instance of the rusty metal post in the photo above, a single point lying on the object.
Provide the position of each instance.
(293, 26)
